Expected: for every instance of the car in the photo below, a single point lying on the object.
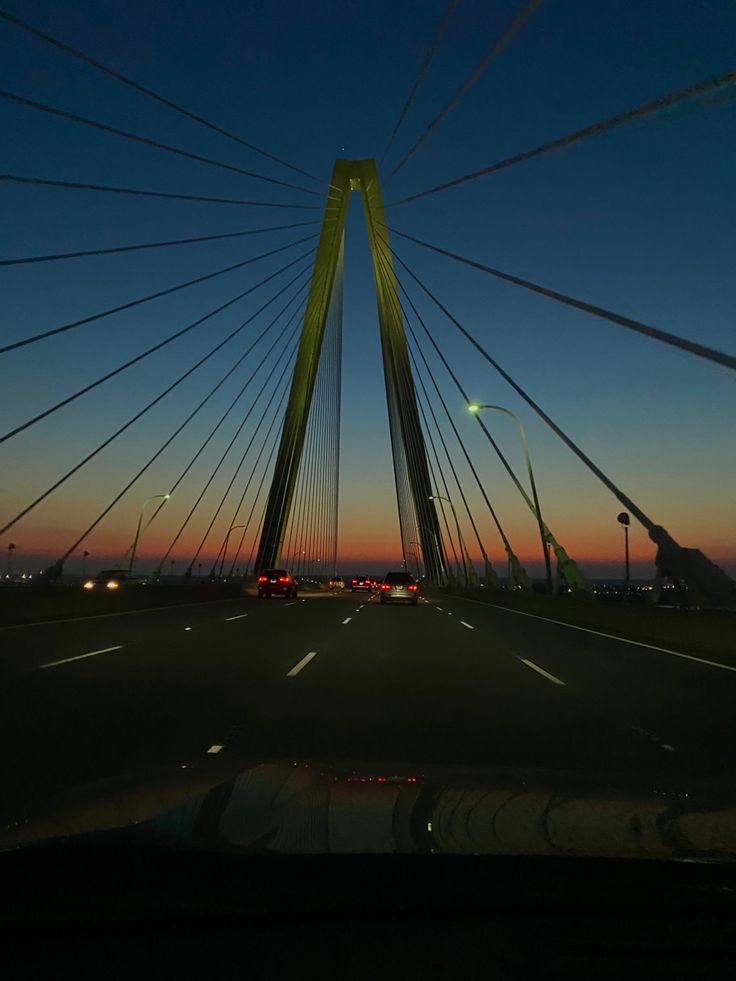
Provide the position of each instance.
(361, 583)
(337, 582)
(276, 582)
(399, 587)
(111, 579)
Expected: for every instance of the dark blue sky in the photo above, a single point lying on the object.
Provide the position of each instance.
(641, 220)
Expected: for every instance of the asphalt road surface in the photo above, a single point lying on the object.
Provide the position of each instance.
(341, 678)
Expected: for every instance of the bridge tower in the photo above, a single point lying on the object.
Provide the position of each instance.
(411, 470)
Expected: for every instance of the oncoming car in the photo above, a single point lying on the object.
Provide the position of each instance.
(399, 587)
(276, 582)
(110, 579)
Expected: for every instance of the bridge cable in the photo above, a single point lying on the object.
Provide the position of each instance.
(281, 378)
(498, 46)
(143, 469)
(143, 192)
(54, 257)
(704, 88)
(100, 66)
(140, 414)
(145, 140)
(420, 75)
(216, 469)
(567, 440)
(683, 343)
(153, 296)
(140, 357)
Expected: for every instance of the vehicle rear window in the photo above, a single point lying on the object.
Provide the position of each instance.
(274, 572)
(398, 577)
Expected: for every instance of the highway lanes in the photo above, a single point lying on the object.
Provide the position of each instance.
(342, 678)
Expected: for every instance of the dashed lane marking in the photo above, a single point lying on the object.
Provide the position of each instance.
(468, 625)
(215, 748)
(301, 664)
(238, 617)
(80, 657)
(544, 674)
(347, 620)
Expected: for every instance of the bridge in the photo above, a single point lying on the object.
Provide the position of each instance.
(232, 465)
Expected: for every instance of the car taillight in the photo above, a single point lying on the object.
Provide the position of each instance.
(263, 579)
(384, 585)
(354, 581)
(283, 578)
(412, 585)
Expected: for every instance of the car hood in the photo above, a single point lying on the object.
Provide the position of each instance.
(316, 807)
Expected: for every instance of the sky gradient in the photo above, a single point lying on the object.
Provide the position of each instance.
(641, 220)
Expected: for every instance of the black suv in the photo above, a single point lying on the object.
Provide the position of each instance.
(276, 582)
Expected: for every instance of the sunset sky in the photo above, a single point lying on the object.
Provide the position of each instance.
(641, 220)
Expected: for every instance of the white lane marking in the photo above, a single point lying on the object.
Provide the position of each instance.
(215, 749)
(80, 657)
(238, 617)
(599, 633)
(449, 614)
(545, 674)
(302, 664)
(468, 625)
(187, 628)
(439, 608)
(290, 604)
(120, 613)
(346, 621)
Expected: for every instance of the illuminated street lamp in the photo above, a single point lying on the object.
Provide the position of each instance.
(475, 407)
(463, 550)
(154, 497)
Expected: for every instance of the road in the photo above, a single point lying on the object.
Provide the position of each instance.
(339, 677)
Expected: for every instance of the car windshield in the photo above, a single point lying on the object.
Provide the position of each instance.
(443, 291)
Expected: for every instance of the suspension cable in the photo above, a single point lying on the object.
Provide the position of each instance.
(151, 296)
(144, 192)
(56, 256)
(156, 347)
(420, 75)
(100, 66)
(518, 22)
(135, 418)
(145, 140)
(683, 343)
(704, 88)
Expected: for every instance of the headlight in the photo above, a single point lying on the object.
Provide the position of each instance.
(89, 584)
(113, 584)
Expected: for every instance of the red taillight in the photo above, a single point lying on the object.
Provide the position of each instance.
(263, 579)
(354, 581)
(385, 585)
(283, 578)
(412, 585)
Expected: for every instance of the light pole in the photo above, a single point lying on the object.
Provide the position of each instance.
(624, 520)
(154, 497)
(463, 550)
(84, 564)
(11, 549)
(224, 550)
(475, 408)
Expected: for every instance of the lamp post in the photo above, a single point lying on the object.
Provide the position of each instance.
(624, 520)
(416, 555)
(84, 564)
(224, 549)
(11, 549)
(154, 497)
(463, 550)
(475, 408)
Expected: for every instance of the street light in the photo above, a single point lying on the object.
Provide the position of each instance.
(84, 564)
(154, 497)
(224, 550)
(416, 555)
(475, 407)
(11, 549)
(623, 519)
(463, 550)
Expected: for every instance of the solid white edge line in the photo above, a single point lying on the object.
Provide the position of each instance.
(301, 664)
(215, 748)
(80, 657)
(238, 617)
(468, 625)
(545, 674)
(599, 633)
(120, 613)
(346, 621)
